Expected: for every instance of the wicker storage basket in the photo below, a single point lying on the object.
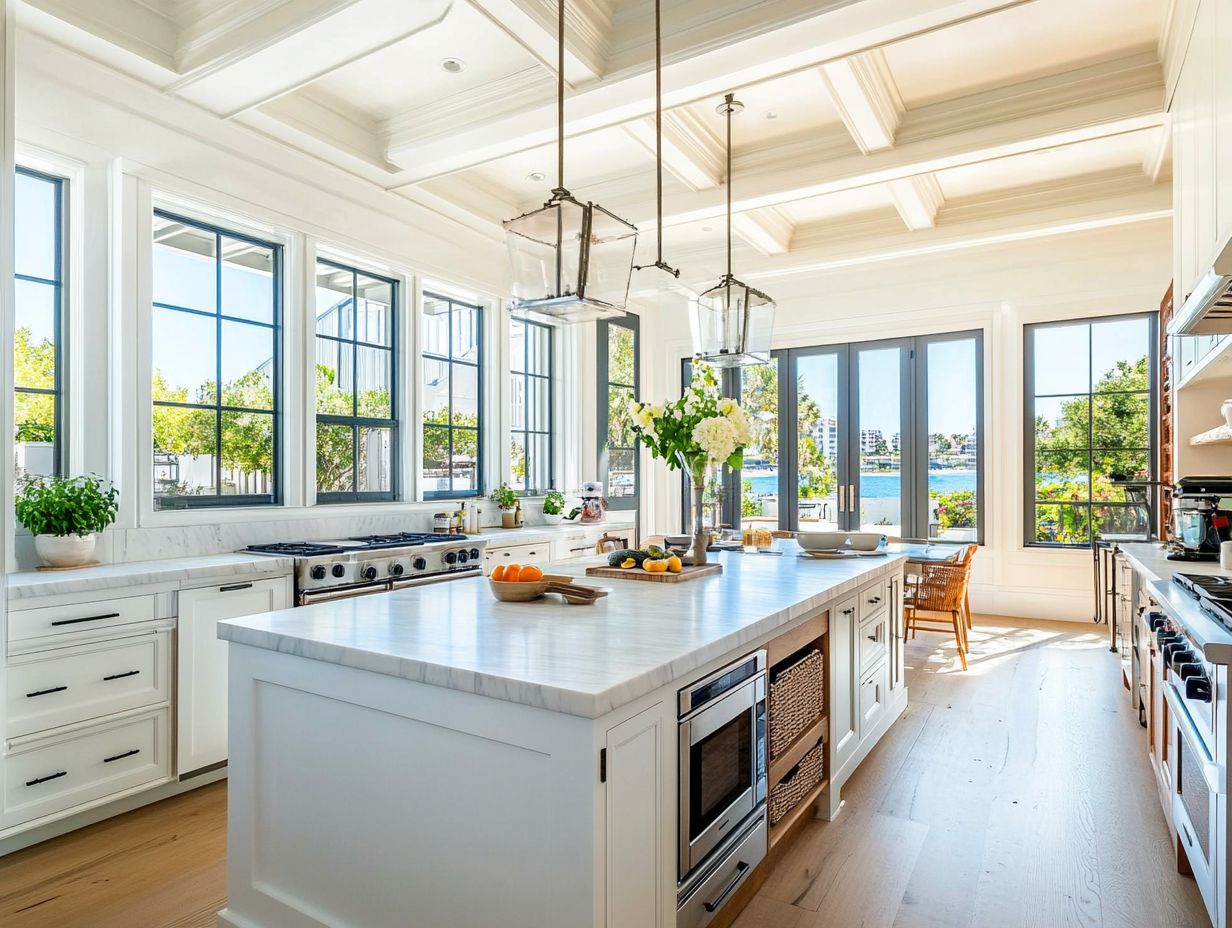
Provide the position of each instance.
(808, 773)
(795, 701)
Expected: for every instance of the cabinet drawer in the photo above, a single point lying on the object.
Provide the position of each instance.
(52, 688)
(50, 776)
(516, 554)
(874, 639)
(874, 688)
(80, 617)
(874, 599)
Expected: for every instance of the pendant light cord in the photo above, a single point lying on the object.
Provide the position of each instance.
(560, 96)
(729, 100)
(659, 262)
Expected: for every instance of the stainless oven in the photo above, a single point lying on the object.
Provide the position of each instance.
(722, 758)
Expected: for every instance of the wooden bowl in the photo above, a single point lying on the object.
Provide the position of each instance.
(512, 591)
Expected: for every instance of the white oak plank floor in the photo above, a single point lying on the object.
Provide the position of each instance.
(1015, 795)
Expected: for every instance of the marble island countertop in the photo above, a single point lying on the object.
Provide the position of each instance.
(580, 660)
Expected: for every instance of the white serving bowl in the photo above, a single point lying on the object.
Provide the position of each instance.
(866, 541)
(822, 541)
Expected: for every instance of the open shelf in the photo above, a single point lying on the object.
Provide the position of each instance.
(781, 766)
(804, 807)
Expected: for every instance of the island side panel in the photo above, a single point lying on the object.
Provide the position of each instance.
(359, 799)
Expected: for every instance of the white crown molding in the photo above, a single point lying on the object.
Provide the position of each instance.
(1178, 26)
(588, 28)
(768, 231)
(917, 199)
(467, 107)
(866, 97)
(136, 26)
(316, 125)
(690, 151)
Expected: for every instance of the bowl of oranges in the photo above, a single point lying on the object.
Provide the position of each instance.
(520, 583)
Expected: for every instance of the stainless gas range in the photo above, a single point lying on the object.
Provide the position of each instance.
(376, 563)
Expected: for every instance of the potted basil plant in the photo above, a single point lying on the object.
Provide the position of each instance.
(554, 507)
(507, 500)
(65, 515)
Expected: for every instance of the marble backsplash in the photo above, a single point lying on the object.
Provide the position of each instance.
(122, 545)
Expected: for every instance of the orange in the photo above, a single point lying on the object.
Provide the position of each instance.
(511, 573)
(498, 572)
(529, 574)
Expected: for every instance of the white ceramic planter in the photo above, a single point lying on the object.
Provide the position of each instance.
(553, 518)
(65, 550)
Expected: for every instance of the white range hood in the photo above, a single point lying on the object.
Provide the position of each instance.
(1208, 309)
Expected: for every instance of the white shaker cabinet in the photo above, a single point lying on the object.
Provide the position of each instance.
(634, 764)
(844, 680)
(201, 664)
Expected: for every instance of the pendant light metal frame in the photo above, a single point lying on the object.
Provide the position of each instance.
(751, 304)
(659, 262)
(563, 304)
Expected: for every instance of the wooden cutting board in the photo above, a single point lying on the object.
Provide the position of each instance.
(688, 572)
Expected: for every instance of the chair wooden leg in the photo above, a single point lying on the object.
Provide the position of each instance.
(958, 638)
(967, 608)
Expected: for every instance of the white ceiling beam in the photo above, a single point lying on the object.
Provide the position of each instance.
(690, 151)
(917, 199)
(864, 93)
(713, 70)
(1038, 211)
(1114, 98)
(768, 231)
(269, 65)
(129, 24)
(533, 25)
(1158, 152)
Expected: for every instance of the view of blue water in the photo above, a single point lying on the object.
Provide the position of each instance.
(880, 486)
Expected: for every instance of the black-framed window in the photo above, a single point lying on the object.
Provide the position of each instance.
(452, 358)
(356, 374)
(619, 376)
(1089, 429)
(38, 344)
(216, 325)
(531, 366)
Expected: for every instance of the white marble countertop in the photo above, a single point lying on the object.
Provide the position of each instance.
(1149, 558)
(582, 660)
(32, 584)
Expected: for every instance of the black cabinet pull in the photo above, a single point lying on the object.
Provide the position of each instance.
(875, 600)
(235, 586)
(89, 618)
(741, 869)
(107, 760)
(54, 689)
(121, 676)
(51, 776)
(848, 611)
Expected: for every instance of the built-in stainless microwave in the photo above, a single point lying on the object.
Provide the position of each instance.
(722, 757)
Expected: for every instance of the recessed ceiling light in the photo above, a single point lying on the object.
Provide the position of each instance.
(453, 65)
(536, 176)
(771, 114)
(707, 228)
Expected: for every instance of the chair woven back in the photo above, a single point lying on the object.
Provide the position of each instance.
(943, 587)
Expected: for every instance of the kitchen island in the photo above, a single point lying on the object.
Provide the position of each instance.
(431, 757)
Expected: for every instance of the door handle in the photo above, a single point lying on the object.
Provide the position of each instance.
(842, 496)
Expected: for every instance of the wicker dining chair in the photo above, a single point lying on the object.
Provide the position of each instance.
(940, 588)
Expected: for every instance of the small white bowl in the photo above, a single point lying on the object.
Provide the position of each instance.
(822, 541)
(866, 541)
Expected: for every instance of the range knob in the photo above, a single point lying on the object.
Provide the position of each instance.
(1198, 688)
(1181, 656)
(395, 569)
(1156, 620)
(368, 572)
(462, 557)
(474, 554)
(318, 572)
(1172, 647)
(339, 570)
(451, 557)
(420, 563)
(1189, 669)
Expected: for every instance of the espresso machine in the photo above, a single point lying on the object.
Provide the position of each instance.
(1199, 524)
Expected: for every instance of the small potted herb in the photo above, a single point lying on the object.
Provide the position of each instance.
(554, 507)
(507, 500)
(65, 515)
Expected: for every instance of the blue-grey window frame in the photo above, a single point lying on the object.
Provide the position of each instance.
(550, 380)
(602, 328)
(451, 362)
(356, 421)
(218, 500)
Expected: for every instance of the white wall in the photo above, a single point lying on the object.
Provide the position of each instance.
(1119, 270)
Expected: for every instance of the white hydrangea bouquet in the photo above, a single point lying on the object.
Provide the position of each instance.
(701, 430)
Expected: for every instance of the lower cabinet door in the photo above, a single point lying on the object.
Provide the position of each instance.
(201, 664)
(54, 775)
(843, 679)
(634, 764)
(874, 688)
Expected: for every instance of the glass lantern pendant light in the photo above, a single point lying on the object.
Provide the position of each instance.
(569, 261)
(735, 322)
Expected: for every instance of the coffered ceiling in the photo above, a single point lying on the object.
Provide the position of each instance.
(871, 127)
